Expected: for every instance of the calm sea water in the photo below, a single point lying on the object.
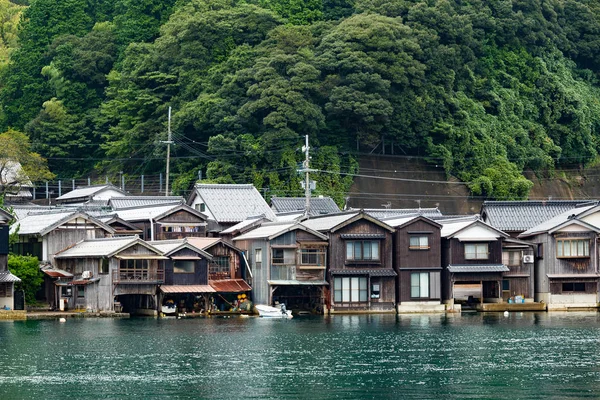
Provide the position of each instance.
(523, 356)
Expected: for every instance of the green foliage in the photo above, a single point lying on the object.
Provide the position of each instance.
(489, 89)
(27, 268)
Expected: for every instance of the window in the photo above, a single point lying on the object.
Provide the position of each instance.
(350, 290)
(80, 291)
(183, 267)
(103, 267)
(309, 256)
(419, 243)
(66, 291)
(258, 258)
(511, 258)
(419, 285)
(5, 290)
(505, 284)
(278, 257)
(573, 287)
(566, 248)
(362, 250)
(201, 207)
(476, 251)
(375, 291)
(220, 265)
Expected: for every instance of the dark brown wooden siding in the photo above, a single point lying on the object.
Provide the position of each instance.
(409, 258)
(457, 252)
(199, 277)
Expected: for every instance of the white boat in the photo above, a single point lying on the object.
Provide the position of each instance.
(169, 309)
(273, 312)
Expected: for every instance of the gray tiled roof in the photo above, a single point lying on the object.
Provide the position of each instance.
(118, 203)
(6, 276)
(371, 272)
(43, 222)
(383, 213)
(478, 268)
(555, 221)
(318, 205)
(233, 203)
(523, 215)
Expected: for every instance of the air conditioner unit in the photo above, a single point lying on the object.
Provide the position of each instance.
(86, 274)
(528, 259)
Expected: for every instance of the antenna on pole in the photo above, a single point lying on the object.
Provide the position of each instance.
(168, 142)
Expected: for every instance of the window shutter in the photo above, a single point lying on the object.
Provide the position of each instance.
(434, 285)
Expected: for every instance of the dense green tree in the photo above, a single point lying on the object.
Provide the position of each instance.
(27, 268)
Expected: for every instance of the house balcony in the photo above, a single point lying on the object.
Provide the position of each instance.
(178, 235)
(138, 276)
(293, 272)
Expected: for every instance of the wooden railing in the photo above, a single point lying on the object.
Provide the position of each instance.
(141, 276)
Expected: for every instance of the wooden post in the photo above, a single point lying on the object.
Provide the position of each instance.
(481, 282)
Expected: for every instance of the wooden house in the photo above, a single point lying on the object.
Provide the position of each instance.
(7, 279)
(566, 262)
(185, 276)
(165, 222)
(417, 261)
(227, 205)
(44, 234)
(288, 263)
(472, 262)
(228, 271)
(124, 272)
(360, 268)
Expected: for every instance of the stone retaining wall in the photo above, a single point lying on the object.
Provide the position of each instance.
(13, 314)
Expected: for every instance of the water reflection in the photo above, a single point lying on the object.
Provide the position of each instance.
(522, 355)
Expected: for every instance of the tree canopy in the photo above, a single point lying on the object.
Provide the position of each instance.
(488, 89)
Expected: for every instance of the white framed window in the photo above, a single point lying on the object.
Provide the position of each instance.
(350, 290)
(476, 251)
(572, 248)
(362, 250)
(419, 285)
(420, 242)
(257, 258)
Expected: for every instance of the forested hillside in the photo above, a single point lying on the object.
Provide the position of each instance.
(487, 89)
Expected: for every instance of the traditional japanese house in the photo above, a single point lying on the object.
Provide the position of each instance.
(7, 279)
(228, 272)
(43, 234)
(518, 282)
(360, 266)
(472, 262)
(186, 276)
(164, 222)
(120, 226)
(288, 262)
(566, 263)
(227, 205)
(124, 272)
(417, 260)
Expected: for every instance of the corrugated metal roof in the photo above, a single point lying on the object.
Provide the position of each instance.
(57, 273)
(265, 231)
(167, 247)
(524, 215)
(296, 282)
(555, 221)
(244, 224)
(371, 272)
(203, 242)
(478, 268)
(22, 211)
(233, 203)
(145, 213)
(95, 248)
(329, 222)
(451, 227)
(230, 285)
(7, 277)
(38, 223)
(318, 205)
(118, 203)
(187, 289)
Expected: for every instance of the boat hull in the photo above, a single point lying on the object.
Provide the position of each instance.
(272, 312)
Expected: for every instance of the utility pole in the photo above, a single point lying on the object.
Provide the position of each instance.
(168, 142)
(306, 169)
